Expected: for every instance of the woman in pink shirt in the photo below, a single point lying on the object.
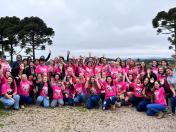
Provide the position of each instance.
(9, 94)
(42, 68)
(44, 92)
(137, 92)
(110, 94)
(69, 93)
(93, 87)
(154, 67)
(159, 101)
(24, 90)
(80, 92)
(121, 90)
(57, 97)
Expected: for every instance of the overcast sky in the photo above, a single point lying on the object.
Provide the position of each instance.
(112, 27)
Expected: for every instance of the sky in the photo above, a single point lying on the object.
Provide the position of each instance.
(114, 28)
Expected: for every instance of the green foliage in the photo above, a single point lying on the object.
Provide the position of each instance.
(34, 34)
(165, 23)
(30, 33)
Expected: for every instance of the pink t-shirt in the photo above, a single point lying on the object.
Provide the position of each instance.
(98, 70)
(57, 92)
(42, 69)
(44, 91)
(69, 92)
(89, 71)
(105, 68)
(24, 88)
(121, 87)
(160, 96)
(114, 72)
(5, 66)
(160, 76)
(155, 70)
(7, 89)
(69, 71)
(110, 91)
(79, 89)
(81, 69)
(137, 89)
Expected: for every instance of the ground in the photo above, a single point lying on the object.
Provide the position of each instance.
(78, 119)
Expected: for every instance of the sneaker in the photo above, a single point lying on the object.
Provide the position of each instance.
(113, 107)
(160, 115)
(22, 107)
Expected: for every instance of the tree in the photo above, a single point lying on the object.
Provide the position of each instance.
(11, 33)
(34, 35)
(3, 26)
(9, 28)
(165, 23)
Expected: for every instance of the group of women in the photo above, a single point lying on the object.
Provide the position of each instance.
(91, 82)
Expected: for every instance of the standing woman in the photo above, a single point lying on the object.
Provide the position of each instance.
(9, 94)
(159, 101)
(154, 67)
(110, 94)
(44, 92)
(93, 88)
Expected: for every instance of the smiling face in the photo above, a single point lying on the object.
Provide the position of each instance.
(161, 70)
(169, 72)
(24, 77)
(156, 85)
(109, 80)
(10, 80)
(146, 81)
(45, 79)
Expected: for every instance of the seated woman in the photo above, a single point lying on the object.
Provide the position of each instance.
(44, 92)
(24, 90)
(57, 88)
(93, 89)
(9, 94)
(80, 92)
(159, 101)
(110, 94)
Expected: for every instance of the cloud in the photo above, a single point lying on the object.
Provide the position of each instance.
(111, 27)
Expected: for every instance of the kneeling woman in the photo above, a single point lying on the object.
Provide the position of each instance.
(44, 92)
(9, 94)
(110, 94)
(93, 89)
(159, 101)
(57, 89)
(24, 90)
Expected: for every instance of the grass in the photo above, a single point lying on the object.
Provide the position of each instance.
(3, 114)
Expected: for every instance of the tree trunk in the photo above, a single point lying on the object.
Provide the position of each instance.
(2, 46)
(33, 48)
(11, 53)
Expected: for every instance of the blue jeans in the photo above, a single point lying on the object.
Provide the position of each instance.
(44, 100)
(153, 109)
(142, 106)
(80, 98)
(11, 102)
(108, 102)
(173, 104)
(135, 100)
(69, 100)
(93, 101)
(25, 99)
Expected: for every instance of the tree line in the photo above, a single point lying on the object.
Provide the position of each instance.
(28, 34)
